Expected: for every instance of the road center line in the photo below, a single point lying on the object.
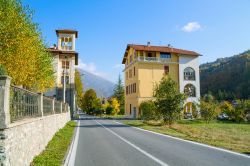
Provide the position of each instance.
(134, 146)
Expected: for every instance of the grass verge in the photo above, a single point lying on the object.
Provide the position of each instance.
(56, 149)
(232, 136)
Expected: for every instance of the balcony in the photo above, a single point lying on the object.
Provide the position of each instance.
(146, 59)
(154, 59)
(67, 48)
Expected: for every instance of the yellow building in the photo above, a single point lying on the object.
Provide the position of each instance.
(145, 65)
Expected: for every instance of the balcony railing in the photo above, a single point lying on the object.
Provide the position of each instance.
(154, 59)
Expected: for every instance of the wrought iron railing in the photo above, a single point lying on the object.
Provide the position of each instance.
(64, 107)
(23, 104)
(155, 59)
(47, 106)
(26, 104)
(57, 107)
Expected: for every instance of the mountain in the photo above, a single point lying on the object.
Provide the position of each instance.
(227, 78)
(103, 87)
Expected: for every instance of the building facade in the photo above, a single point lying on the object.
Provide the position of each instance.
(65, 59)
(145, 65)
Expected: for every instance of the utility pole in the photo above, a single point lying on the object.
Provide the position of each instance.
(64, 86)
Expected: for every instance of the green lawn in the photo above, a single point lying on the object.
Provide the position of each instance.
(232, 136)
(56, 149)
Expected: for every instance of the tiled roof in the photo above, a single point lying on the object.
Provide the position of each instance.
(158, 49)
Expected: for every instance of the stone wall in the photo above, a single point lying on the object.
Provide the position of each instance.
(28, 138)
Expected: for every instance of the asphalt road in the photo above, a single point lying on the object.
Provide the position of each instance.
(107, 143)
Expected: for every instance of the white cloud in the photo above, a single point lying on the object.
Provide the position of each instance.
(90, 67)
(118, 66)
(191, 27)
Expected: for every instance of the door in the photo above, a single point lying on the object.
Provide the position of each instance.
(134, 112)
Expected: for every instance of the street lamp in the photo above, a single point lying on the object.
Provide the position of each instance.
(64, 79)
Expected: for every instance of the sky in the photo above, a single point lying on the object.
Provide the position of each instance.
(213, 28)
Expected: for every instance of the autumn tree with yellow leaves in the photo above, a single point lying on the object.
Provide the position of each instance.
(22, 51)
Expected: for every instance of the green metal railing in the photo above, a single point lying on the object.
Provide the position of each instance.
(57, 107)
(47, 106)
(23, 104)
(26, 104)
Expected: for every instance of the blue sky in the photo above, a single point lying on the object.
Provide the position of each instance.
(213, 28)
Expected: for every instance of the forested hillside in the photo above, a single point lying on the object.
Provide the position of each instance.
(227, 78)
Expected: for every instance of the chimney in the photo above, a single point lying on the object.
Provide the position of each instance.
(148, 44)
(54, 46)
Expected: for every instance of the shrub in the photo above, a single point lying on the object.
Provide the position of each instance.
(226, 107)
(148, 110)
(238, 114)
(209, 111)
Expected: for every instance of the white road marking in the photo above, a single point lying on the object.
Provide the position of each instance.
(70, 160)
(136, 147)
(180, 139)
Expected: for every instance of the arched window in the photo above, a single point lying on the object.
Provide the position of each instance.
(189, 90)
(189, 73)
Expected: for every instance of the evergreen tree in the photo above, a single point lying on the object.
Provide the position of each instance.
(119, 94)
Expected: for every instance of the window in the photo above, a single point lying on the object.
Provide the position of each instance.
(134, 71)
(134, 54)
(66, 43)
(130, 73)
(66, 79)
(126, 90)
(189, 73)
(165, 55)
(166, 70)
(65, 64)
(130, 58)
(189, 90)
(135, 87)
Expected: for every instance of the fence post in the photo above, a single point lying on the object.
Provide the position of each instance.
(61, 106)
(53, 105)
(40, 104)
(4, 101)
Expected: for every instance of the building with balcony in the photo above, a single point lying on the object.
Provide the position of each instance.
(145, 65)
(65, 59)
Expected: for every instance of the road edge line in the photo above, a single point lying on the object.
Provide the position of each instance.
(70, 160)
(192, 142)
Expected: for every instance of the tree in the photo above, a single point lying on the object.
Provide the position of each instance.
(115, 106)
(169, 101)
(79, 89)
(2, 70)
(119, 93)
(89, 101)
(148, 110)
(22, 50)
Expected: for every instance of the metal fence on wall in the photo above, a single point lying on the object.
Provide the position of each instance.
(23, 103)
(26, 104)
(47, 106)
